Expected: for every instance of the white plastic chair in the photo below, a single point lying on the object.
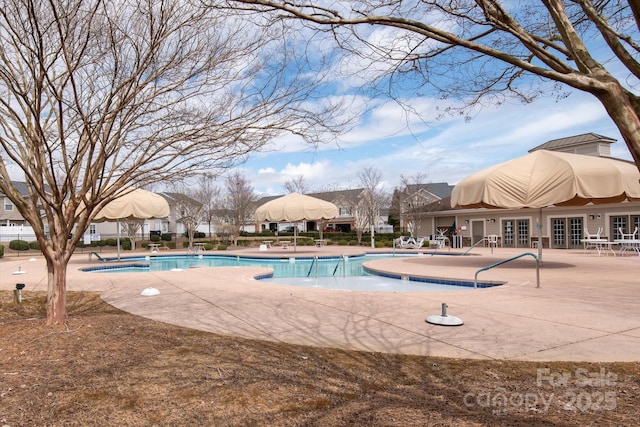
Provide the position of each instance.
(590, 236)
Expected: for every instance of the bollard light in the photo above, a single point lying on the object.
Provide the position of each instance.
(17, 294)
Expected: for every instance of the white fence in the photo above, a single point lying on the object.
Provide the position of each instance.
(18, 232)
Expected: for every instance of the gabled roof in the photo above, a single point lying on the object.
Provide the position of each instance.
(22, 188)
(328, 196)
(439, 189)
(572, 141)
(173, 198)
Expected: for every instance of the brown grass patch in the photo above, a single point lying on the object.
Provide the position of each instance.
(106, 367)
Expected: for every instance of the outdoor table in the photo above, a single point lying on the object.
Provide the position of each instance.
(153, 247)
(600, 245)
(630, 244)
(197, 247)
(267, 243)
(284, 244)
(320, 242)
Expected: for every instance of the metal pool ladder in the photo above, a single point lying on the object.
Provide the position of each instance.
(489, 267)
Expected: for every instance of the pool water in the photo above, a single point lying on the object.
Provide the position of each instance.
(282, 267)
(340, 273)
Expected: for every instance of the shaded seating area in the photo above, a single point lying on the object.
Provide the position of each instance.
(408, 242)
(595, 242)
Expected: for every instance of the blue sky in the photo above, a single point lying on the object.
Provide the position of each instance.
(446, 150)
(443, 150)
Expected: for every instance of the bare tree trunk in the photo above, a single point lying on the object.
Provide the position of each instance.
(56, 290)
(624, 110)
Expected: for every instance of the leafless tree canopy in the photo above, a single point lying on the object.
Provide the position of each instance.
(373, 196)
(411, 205)
(485, 51)
(297, 185)
(210, 195)
(96, 94)
(240, 201)
(189, 212)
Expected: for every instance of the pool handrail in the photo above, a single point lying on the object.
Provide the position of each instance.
(489, 267)
(474, 245)
(97, 255)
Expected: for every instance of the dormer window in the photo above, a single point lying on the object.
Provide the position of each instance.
(8, 204)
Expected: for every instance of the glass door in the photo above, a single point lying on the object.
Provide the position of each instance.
(559, 227)
(567, 232)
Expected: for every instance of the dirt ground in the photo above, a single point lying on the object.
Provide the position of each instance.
(107, 367)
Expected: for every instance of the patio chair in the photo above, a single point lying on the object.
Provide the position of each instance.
(592, 241)
(589, 236)
(492, 240)
(410, 242)
(628, 241)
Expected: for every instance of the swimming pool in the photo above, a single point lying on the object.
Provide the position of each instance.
(329, 272)
(282, 267)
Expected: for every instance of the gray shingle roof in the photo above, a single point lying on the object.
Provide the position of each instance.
(571, 141)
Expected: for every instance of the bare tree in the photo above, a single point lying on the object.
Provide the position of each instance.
(411, 204)
(211, 197)
(480, 50)
(360, 221)
(297, 185)
(132, 228)
(189, 212)
(240, 202)
(97, 95)
(373, 197)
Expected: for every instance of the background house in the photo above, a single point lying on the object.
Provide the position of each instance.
(13, 226)
(348, 203)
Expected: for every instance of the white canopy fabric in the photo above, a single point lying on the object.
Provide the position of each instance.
(296, 207)
(134, 204)
(546, 178)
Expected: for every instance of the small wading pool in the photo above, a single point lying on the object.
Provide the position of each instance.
(339, 273)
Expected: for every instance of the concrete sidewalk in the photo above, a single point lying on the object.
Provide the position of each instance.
(585, 310)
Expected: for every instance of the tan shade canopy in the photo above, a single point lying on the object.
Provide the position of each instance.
(296, 207)
(134, 204)
(546, 178)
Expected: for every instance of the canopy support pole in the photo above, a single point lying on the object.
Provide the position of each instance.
(539, 227)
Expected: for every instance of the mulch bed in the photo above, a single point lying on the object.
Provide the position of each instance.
(107, 367)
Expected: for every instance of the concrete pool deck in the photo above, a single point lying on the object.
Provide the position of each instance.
(585, 310)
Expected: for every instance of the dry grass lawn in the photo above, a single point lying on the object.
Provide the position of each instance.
(107, 367)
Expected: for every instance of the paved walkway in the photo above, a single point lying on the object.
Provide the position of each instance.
(586, 309)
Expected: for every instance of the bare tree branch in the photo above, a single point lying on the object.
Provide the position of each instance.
(98, 95)
(485, 50)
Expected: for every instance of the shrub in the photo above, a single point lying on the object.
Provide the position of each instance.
(19, 245)
(208, 246)
(34, 245)
(1, 251)
(343, 242)
(196, 235)
(166, 237)
(154, 238)
(353, 243)
(222, 247)
(125, 244)
(111, 242)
